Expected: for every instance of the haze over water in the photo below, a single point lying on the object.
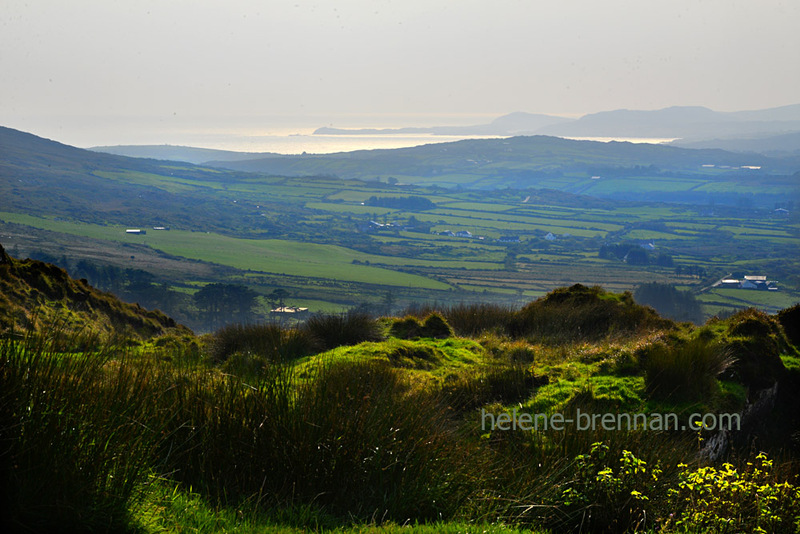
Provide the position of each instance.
(281, 135)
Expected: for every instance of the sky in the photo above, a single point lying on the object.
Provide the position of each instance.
(101, 66)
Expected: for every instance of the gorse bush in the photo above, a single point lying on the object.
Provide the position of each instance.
(726, 500)
(608, 497)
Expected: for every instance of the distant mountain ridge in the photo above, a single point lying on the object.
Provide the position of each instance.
(688, 122)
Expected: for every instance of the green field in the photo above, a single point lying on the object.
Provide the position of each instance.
(312, 235)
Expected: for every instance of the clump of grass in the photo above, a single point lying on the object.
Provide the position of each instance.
(336, 330)
(494, 383)
(509, 350)
(789, 319)
(75, 435)
(269, 341)
(582, 313)
(410, 327)
(685, 370)
(757, 341)
(475, 319)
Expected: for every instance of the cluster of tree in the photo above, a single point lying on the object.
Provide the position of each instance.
(219, 304)
(410, 203)
(634, 254)
(670, 302)
(692, 270)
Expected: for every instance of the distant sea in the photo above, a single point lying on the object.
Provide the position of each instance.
(327, 144)
(284, 136)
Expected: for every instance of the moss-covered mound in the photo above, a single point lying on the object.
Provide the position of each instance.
(33, 293)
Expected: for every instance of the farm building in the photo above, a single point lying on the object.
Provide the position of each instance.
(758, 282)
(292, 311)
(135, 231)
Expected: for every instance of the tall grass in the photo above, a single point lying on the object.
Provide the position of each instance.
(351, 328)
(468, 319)
(75, 442)
(269, 341)
(685, 370)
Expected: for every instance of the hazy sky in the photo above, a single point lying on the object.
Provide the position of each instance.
(97, 63)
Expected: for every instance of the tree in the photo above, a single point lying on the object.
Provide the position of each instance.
(223, 303)
(277, 299)
(670, 302)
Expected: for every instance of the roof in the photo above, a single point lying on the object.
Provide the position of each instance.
(289, 309)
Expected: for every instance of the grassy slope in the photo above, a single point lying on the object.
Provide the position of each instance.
(33, 293)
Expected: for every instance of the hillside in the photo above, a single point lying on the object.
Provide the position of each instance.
(43, 177)
(34, 293)
(178, 153)
(671, 173)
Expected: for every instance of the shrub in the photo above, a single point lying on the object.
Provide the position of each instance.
(351, 328)
(611, 498)
(725, 500)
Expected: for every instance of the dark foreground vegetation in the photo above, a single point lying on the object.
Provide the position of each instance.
(348, 421)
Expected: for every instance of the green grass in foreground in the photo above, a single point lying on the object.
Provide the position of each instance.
(372, 436)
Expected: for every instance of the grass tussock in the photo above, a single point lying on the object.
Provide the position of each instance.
(337, 330)
(410, 327)
(268, 342)
(685, 371)
(582, 313)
